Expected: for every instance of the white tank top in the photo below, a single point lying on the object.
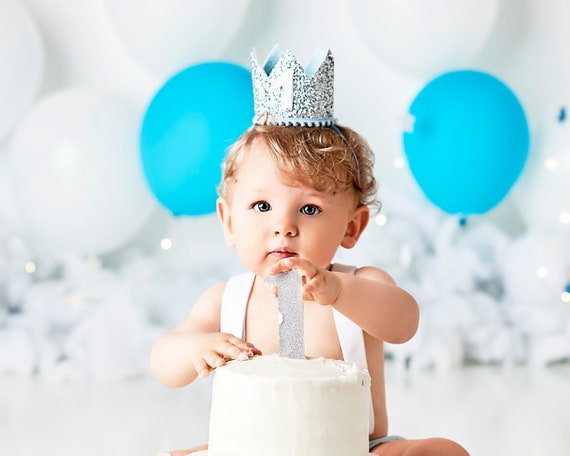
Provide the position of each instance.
(234, 309)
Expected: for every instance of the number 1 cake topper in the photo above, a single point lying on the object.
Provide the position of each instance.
(290, 304)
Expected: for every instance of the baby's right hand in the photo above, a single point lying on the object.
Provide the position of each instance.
(215, 349)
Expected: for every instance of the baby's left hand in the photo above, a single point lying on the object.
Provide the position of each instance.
(319, 284)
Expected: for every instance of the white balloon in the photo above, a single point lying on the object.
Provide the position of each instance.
(76, 172)
(21, 61)
(169, 35)
(425, 37)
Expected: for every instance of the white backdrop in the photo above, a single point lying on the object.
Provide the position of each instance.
(490, 291)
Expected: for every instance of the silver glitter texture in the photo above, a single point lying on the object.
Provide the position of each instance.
(286, 94)
(290, 304)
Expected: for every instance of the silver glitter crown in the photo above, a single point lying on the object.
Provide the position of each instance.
(286, 94)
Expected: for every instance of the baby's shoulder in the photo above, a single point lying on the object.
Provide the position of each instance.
(211, 297)
(374, 273)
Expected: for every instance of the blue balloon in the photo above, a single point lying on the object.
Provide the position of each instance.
(469, 142)
(186, 131)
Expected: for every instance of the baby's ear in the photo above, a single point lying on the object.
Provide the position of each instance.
(355, 227)
(224, 215)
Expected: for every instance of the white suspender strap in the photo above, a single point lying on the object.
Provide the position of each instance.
(351, 338)
(234, 304)
(350, 334)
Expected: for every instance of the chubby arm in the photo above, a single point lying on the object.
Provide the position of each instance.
(197, 347)
(370, 298)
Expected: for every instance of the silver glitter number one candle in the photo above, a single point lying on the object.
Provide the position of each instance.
(290, 304)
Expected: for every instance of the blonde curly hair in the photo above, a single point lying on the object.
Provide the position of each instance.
(315, 156)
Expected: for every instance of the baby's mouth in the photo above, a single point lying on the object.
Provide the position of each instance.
(282, 253)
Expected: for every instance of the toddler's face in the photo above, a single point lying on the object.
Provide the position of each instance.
(271, 217)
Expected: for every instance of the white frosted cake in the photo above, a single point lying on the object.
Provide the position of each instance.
(272, 406)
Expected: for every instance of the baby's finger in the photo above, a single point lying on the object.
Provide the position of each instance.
(273, 290)
(202, 368)
(230, 351)
(215, 360)
(283, 266)
(243, 345)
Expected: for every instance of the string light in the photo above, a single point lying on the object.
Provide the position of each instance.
(93, 263)
(542, 272)
(551, 164)
(564, 218)
(408, 122)
(399, 163)
(381, 220)
(166, 244)
(77, 299)
(406, 255)
(565, 296)
(30, 267)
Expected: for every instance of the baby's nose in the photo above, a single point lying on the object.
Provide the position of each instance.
(286, 229)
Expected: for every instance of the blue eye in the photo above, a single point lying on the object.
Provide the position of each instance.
(310, 209)
(261, 206)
